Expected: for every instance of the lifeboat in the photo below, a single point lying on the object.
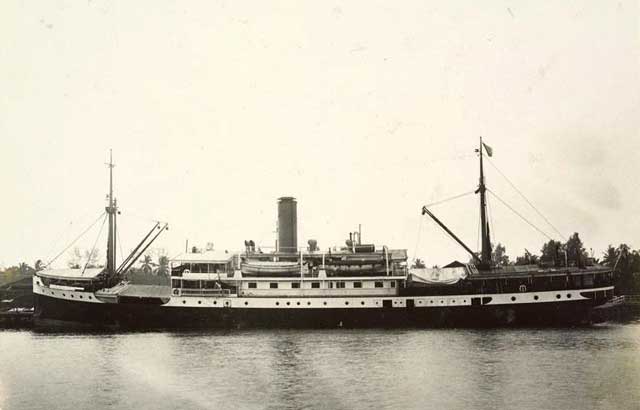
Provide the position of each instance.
(267, 268)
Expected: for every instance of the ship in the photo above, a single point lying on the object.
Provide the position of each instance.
(357, 285)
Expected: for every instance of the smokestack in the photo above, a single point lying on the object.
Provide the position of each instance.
(287, 224)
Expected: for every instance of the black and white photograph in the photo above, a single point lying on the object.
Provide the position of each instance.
(320, 205)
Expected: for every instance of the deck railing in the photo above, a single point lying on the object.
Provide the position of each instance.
(216, 293)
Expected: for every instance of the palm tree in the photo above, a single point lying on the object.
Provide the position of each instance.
(163, 266)
(147, 264)
(25, 269)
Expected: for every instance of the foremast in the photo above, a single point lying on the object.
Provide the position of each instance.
(112, 211)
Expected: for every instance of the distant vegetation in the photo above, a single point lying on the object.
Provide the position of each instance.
(151, 269)
(624, 260)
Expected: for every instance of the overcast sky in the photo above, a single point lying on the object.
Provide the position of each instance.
(364, 111)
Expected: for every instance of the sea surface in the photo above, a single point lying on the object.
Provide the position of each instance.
(585, 368)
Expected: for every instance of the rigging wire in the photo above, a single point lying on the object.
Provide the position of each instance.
(478, 236)
(415, 248)
(446, 234)
(449, 199)
(67, 228)
(75, 240)
(491, 224)
(94, 246)
(433, 204)
(527, 200)
(120, 245)
(517, 213)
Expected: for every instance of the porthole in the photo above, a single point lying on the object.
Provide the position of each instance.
(72, 296)
(53, 293)
(362, 303)
(81, 296)
(568, 295)
(453, 301)
(346, 303)
(535, 297)
(184, 302)
(308, 303)
(431, 301)
(513, 298)
(298, 303)
(558, 296)
(199, 302)
(90, 298)
(464, 301)
(246, 303)
(64, 294)
(288, 303)
(215, 302)
(377, 303)
(277, 303)
(324, 303)
(442, 301)
(420, 302)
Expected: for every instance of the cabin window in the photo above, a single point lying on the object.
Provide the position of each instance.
(295, 285)
(252, 285)
(175, 283)
(357, 284)
(315, 285)
(393, 283)
(379, 284)
(191, 284)
(199, 268)
(216, 268)
(273, 285)
(340, 285)
(330, 285)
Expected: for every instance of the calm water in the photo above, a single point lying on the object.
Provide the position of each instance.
(595, 368)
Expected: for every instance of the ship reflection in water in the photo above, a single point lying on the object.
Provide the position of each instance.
(597, 367)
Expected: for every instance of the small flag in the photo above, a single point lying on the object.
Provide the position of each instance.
(488, 149)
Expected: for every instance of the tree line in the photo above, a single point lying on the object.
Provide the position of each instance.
(624, 261)
(154, 263)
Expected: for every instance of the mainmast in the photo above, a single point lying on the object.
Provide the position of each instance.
(485, 256)
(112, 210)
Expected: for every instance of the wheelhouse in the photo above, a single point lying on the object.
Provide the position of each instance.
(202, 274)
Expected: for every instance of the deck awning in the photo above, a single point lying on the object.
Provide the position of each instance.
(74, 274)
(438, 276)
(204, 257)
(146, 291)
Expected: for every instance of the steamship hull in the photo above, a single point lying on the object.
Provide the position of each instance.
(51, 312)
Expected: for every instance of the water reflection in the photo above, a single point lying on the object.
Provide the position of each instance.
(338, 369)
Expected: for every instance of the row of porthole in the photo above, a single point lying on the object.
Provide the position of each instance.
(309, 303)
(215, 302)
(441, 301)
(65, 295)
(535, 297)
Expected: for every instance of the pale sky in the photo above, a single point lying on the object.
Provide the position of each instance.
(364, 111)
